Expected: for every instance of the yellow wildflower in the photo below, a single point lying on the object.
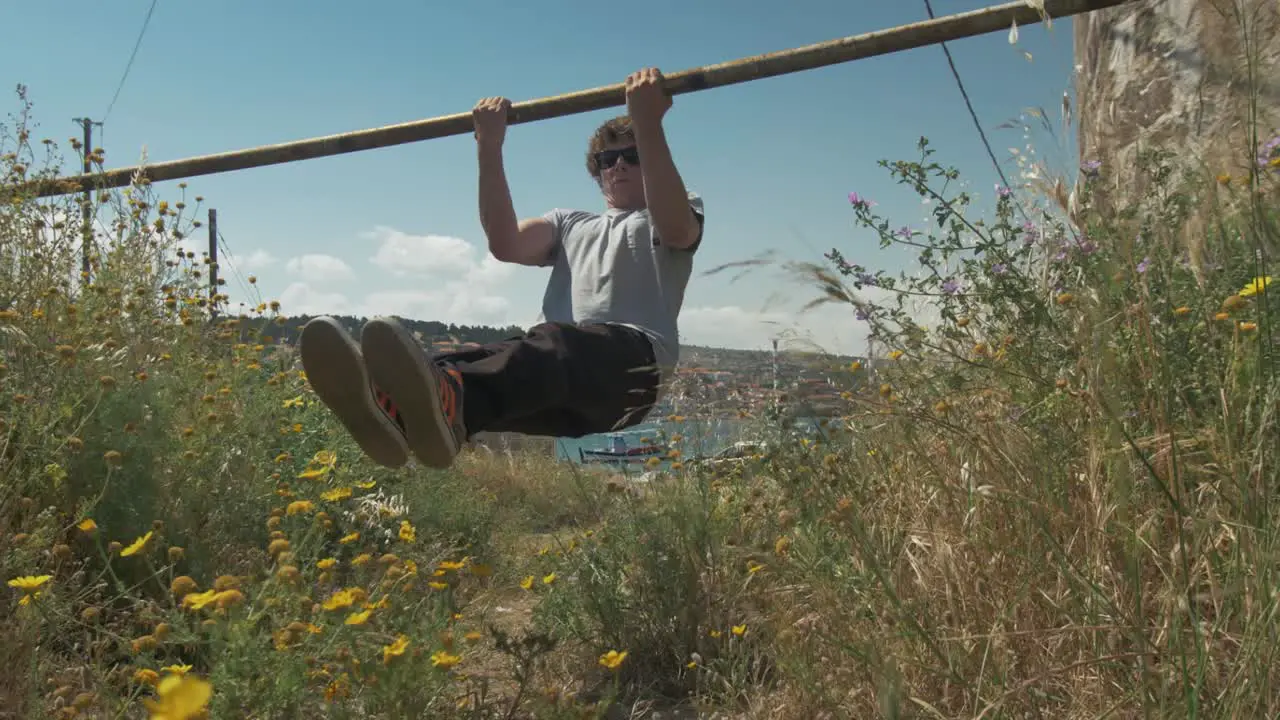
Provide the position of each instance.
(358, 618)
(327, 563)
(613, 659)
(527, 583)
(87, 525)
(395, 649)
(349, 538)
(29, 583)
(407, 533)
(739, 630)
(197, 601)
(336, 494)
(300, 506)
(548, 579)
(344, 598)
(443, 659)
(181, 697)
(1257, 285)
(137, 546)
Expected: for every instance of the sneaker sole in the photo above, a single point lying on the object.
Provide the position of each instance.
(338, 376)
(403, 370)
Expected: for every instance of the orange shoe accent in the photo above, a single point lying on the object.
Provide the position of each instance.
(388, 406)
(449, 391)
(446, 399)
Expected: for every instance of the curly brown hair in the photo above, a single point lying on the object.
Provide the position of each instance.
(613, 131)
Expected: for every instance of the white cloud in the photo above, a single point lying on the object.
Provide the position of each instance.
(468, 284)
(829, 328)
(320, 268)
(730, 326)
(253, 262)
(464, 305)
(299, 298)
(442, 278)
(402, 254)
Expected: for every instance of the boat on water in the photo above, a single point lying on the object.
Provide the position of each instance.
(617, 450)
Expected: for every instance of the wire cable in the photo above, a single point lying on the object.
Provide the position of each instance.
(225, 261)
(928, 6)
(129, 66)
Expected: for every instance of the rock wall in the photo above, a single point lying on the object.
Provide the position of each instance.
(1175, 73)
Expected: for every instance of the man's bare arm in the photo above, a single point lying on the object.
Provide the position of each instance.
(664, 190)
(527, 242)
(524, 242)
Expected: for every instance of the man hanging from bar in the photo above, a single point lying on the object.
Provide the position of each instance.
(607, 338)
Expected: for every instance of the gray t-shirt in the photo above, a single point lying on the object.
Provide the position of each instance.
(611, 267)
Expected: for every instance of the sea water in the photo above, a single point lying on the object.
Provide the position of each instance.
(698, 438)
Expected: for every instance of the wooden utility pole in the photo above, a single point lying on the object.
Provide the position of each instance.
(213, 261)
(86, 226)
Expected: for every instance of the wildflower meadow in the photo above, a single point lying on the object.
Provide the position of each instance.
(1053, 492)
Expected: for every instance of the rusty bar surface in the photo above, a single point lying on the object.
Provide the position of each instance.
(831, 52)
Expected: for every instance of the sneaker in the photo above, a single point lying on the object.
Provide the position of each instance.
(428, 394)
(337, 374)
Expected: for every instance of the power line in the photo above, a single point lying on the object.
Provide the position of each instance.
(128, 66)
(240, 278)
(972, 113)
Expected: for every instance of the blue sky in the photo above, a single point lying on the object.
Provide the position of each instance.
(396, 230)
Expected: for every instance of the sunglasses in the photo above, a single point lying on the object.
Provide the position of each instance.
(606, 159)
